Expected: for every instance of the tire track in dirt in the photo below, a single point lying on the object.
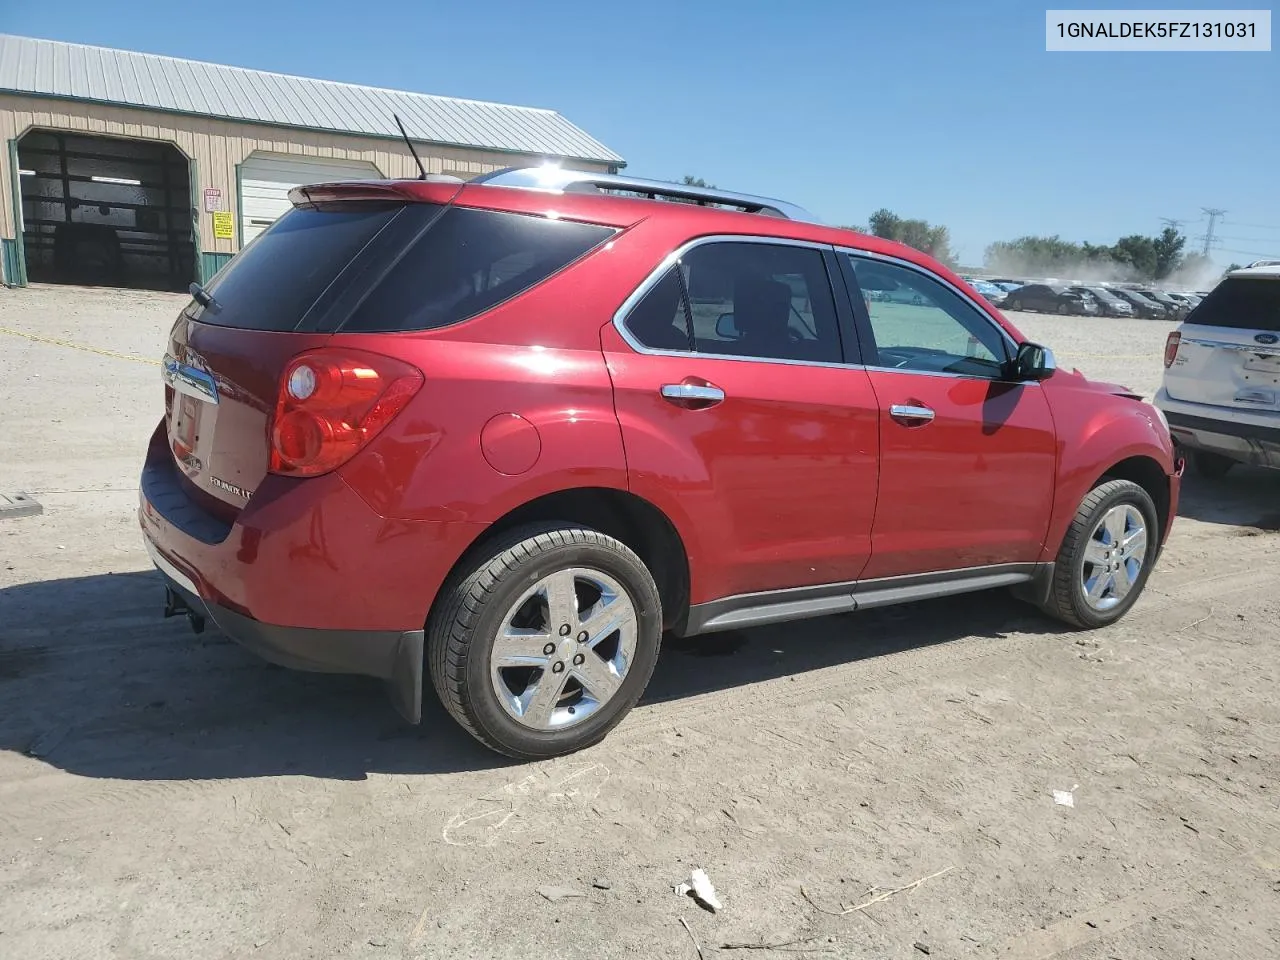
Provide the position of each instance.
(733, 705)
(877, 673)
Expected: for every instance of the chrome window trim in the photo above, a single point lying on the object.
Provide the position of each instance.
(671, 259)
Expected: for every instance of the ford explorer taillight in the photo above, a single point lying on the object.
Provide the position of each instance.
(331, 403)
(1171, 348)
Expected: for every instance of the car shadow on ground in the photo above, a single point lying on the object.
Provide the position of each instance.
(1247, 497)
(93, 681)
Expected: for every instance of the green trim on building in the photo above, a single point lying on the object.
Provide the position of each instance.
(239, 211)
(211, 263)
(14, 259)
(12, 262)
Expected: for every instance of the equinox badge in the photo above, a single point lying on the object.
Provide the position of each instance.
(221, 484)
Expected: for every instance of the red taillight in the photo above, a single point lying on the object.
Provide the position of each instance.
(1171, 348)
(331, 402)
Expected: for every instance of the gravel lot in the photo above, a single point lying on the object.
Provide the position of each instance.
(163, 795)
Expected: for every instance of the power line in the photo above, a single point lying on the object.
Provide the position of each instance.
(1170, 222)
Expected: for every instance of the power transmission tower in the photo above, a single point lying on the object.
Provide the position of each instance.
(1170, 222)
(1214, 214)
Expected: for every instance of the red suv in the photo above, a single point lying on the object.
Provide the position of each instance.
(506, 433)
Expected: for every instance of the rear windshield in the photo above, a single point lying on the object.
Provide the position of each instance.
(275, 280)
(1245, 303)
(467, 262)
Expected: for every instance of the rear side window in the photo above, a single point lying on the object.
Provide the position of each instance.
(467, 262)
(276, 279)
(1243, 303)
(660, 321)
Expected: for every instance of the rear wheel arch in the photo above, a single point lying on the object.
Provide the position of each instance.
(630, 519)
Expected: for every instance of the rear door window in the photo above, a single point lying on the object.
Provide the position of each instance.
(1242, 303)
(467, 262)
(760, 300)
(277, 278)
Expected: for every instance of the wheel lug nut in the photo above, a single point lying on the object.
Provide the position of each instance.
(549, 649)
(577, 661)
(558, 667)
(582, 637)
(564, 629)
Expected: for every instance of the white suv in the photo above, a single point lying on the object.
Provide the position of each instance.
(1221, 391)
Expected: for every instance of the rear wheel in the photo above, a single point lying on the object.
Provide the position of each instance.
(1063, 309)
(547, 641)
(1211, 466)
(1105, 557)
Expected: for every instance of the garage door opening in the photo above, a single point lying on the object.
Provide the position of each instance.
(267, 178)
(106, 212)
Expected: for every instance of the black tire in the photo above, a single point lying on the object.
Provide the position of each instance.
(1210, 466)
(465, 621)
(1016, 306)
(1063, 309)
(1065, 601)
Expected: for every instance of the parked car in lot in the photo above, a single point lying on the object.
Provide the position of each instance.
(1046, 298)
(1221, 390)
(499, 437)
(1144, 307)
(989, 292)
(1188, 300)
(1108, 303)
(1174, 309)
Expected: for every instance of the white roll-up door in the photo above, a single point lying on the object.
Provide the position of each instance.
(267, 178)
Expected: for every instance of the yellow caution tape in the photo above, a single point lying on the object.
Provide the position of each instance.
(80, 346)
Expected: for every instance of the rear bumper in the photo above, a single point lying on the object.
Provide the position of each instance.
(1193, 426)
(307, 576)
(395, 657)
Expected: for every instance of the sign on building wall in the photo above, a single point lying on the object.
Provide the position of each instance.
(224, 227)
(212, 199)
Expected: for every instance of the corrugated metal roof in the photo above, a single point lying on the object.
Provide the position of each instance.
(73, 71)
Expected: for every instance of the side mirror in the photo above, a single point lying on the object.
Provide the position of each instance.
(1032, 362)
(726, 329)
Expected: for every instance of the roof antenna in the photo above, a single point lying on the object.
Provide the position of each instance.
(408, 143)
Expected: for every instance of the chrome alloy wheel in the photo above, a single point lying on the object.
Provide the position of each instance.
(1114, 556)
(563, 649)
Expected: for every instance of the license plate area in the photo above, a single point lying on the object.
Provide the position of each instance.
(1263, 363)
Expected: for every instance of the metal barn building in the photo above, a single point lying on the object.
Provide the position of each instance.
(130, 169)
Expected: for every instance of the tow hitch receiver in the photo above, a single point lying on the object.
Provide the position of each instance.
(175, 604)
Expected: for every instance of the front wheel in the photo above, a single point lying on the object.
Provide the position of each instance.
(547, 641)
(1063, 309)
(1106, 556)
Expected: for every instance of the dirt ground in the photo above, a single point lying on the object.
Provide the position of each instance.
(170, 796)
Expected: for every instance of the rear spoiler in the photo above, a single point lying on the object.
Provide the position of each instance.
(435, 189)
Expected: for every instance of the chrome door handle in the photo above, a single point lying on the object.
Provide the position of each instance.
(692, 393)
(904, 411)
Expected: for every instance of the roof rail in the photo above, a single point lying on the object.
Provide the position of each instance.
(558, 180)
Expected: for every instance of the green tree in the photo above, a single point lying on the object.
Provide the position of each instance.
(1232, 266)
(1138, 252)
(1168, 249)
(933, 239)
(698, 182)
(1039, 255)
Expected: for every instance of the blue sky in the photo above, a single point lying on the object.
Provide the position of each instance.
(947, 111)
